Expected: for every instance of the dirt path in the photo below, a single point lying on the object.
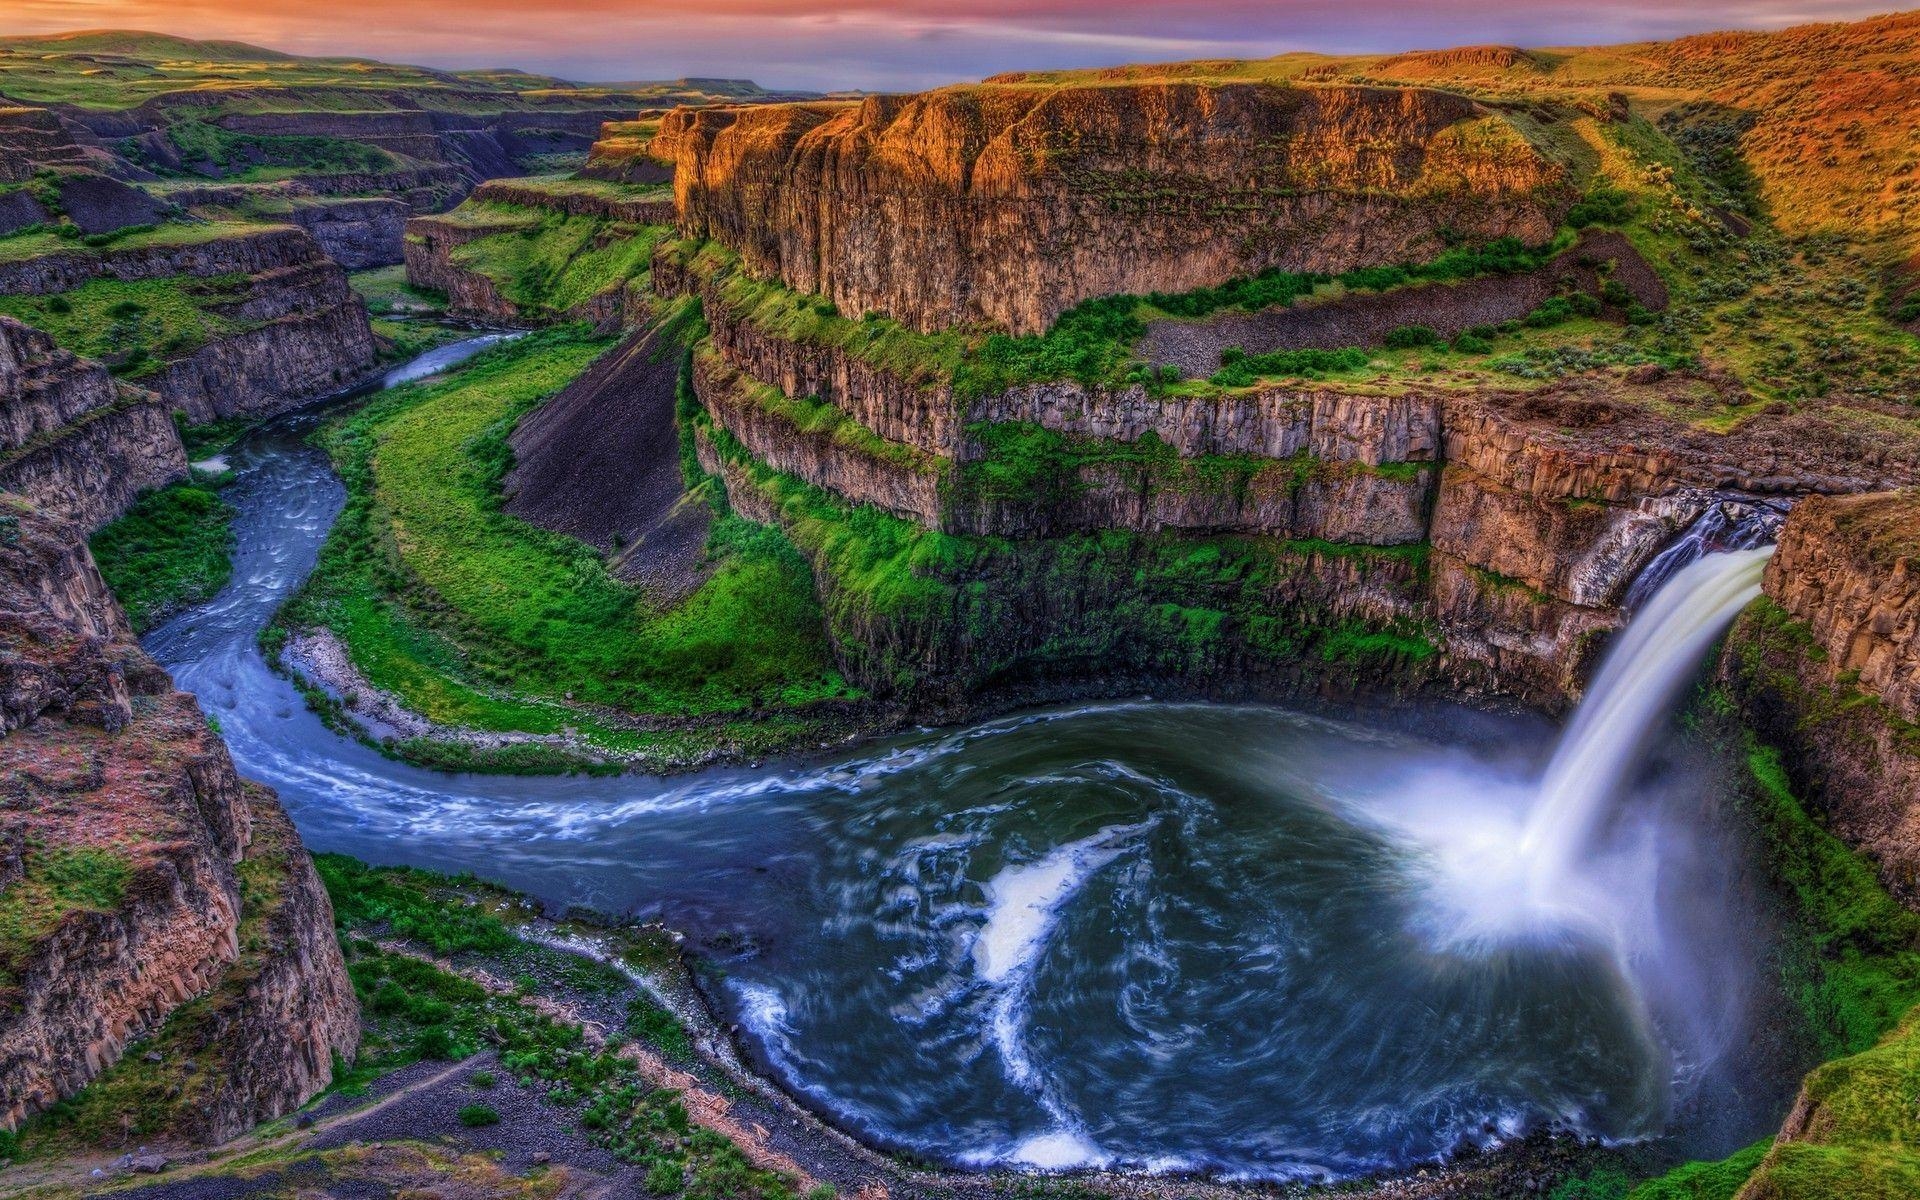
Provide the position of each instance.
(187, 1162)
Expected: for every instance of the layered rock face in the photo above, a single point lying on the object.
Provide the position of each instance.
(357, 234)
(303, 332)
(428, 252)
(124, 834)
(433, 243)
(305, 335)
(1830, 670)
(73, 440)
(1535, 508)
(1009, 205)
(645, 208)
(623, 152)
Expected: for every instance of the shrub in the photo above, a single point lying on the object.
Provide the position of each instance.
(1556, 310)
(1603, 206)
(59, 304)
(481, 1079)
(1240, 369)
(474, 1116)
(1469, 343)
(1583, 304)
(665, 1177)
(1410, 337)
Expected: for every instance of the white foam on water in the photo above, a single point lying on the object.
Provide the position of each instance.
(1024, 907)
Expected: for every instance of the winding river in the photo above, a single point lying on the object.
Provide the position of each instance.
(1236, 939)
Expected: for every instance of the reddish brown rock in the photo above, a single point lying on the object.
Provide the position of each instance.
(73, 440)
(1009, 204)
(124, 832)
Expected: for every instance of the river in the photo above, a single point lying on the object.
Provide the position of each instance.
(1176, 937)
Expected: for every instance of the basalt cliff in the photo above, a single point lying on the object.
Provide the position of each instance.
(292, 329)
(1009, 205)
(1406, 528)
(149, 892)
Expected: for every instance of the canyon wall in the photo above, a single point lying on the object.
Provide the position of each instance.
(1532, 507)
(356, 233)
(473, 285)
(149, 892)
(76, 442)
(1829, 669)
(302, 333)
(1008, 205)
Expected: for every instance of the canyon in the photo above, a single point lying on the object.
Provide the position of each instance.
(1363, 383)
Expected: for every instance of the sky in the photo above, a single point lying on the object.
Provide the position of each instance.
(891, 44)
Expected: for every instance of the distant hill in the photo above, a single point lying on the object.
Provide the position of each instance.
(122, 69)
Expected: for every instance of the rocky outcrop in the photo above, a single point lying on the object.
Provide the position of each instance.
(35, 139)
(1449, 309)
(265, 1039)
(1246, 615)
(863, 470)
(623, 153)
(1391, 426)
(1009, 205)
(302, 332)
(484, 144)
(251, 253)
(73, 440)
(434, 261)
(124, 833)
(423, 189)
(357, 234)
(304, 335)
(428, 251)
(638, 208)
(1830, 670)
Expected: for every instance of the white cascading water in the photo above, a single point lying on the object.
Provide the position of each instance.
(1626, 704)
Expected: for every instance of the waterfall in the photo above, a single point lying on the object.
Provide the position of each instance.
(1730, 522)
(1627, 702)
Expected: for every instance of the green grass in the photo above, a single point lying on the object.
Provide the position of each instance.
(171, 233)
(205, 147)
(553, 262)
(172, 549)
(1853, 952)
(414, 1010)
(451, 604)
(134, 327)
(475, 1116)
(55, 883)
(386, 292)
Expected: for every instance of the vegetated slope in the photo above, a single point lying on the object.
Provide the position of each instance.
(474, 618)
(1826, 117)
(537, 250)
